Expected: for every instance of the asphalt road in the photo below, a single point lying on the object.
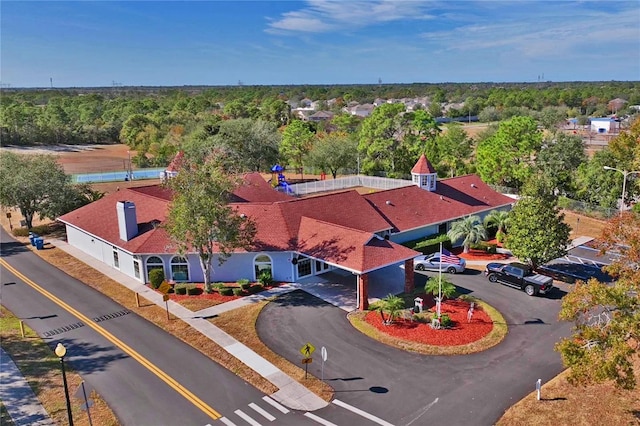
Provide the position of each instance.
(122, 370)
(410, 389)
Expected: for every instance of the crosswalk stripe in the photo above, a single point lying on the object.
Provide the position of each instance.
(262, 412)
(319, 419)
(246, 418)
(226, 421)
(361, 413)
(275, 404)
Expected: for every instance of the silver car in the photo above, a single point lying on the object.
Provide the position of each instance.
(432, 263)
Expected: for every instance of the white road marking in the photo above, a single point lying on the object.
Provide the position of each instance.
(246, 418)
(226, 421)
(361, 413)
(275, 404)
(423, 411)
(262, 412)
(319, 419)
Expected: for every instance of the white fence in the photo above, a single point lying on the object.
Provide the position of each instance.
(344, 183)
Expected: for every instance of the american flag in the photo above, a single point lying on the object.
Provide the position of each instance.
(447, 257)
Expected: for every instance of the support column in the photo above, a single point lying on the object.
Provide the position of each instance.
(363, 292)
(409, 283)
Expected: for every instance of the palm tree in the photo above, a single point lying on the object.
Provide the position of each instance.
(433, 286)
(498, 219)
(390, 304)
(470, 229)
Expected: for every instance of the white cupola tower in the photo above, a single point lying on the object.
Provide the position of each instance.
(424, 175)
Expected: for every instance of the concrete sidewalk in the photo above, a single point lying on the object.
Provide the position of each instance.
(18, 398)
(291, 393)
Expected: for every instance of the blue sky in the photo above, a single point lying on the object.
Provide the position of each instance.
(96, 43)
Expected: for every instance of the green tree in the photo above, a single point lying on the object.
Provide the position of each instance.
(506, 158)
(276, 111)
(433, 287)
(37, 184)
(604, 341)
(499, 221)
(390, 304)
(537, 232)
(559, 158)
(470, 230)
(297, 141)
(456, 148)
(201, 219)
(594, 185)
(380, 140)
(334, 151)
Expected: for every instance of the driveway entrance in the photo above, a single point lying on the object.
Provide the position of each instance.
(338, 287)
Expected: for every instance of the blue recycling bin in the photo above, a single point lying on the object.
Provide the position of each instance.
(32, 238)
(39, 243)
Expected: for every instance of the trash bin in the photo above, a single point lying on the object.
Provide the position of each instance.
(32, 238)
(39, 243)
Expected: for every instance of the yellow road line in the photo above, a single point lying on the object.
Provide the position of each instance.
(123, 346)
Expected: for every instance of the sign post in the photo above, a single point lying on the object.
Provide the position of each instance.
(164, 289)
(538, 386)
(307, 350)
(323, 353)
(9, 217)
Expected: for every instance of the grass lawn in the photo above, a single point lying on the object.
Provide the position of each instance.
(41, 368)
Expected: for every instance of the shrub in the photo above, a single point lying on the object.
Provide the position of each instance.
(422, 317)
(156, 277)
(180, 289)
(445, 321)
(430, 244)
(256, 288)
(237, 291)
(225, 291)
(194, 290)
(265, 278)
(217, 286)
(24, 232)
(244, 283)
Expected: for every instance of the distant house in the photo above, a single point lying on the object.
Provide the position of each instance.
(321, 116)
(363, 110)
(296, 237)
(616, 105)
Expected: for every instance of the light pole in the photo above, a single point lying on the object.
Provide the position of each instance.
(625, 173)
(61, 351)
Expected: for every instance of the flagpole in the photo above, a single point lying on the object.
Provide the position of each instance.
(439, 282)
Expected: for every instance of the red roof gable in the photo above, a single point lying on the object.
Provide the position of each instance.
(255, 189)
(411, 207)
(423, 166)
(356, 250)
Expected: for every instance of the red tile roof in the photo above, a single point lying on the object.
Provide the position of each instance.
(423, 166)
(329, 226)
(349, 248)
(411, 207)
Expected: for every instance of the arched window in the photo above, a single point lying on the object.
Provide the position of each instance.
(154, 262)
(262, 264)
(179, 269)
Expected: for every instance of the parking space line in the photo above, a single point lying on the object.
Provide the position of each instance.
(275, 404)
(226, 421)
(361, 413)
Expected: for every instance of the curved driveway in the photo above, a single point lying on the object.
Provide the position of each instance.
(410, 389)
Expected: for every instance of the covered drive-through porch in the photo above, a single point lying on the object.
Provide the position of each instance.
(349, 290)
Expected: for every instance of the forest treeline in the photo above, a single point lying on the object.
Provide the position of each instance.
(252, 128)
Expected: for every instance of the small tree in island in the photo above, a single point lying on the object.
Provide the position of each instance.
(200, 218)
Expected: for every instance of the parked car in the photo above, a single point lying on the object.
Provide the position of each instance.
(520, 276)
(432, 263)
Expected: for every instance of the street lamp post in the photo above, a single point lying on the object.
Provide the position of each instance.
(61, 351)
(625, 173)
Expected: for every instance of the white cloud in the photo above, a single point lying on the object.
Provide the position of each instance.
(329, 15)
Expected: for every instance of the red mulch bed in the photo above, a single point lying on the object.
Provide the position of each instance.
(480, 254)
(460, 333)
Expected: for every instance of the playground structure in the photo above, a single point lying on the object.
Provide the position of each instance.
(278, 179)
